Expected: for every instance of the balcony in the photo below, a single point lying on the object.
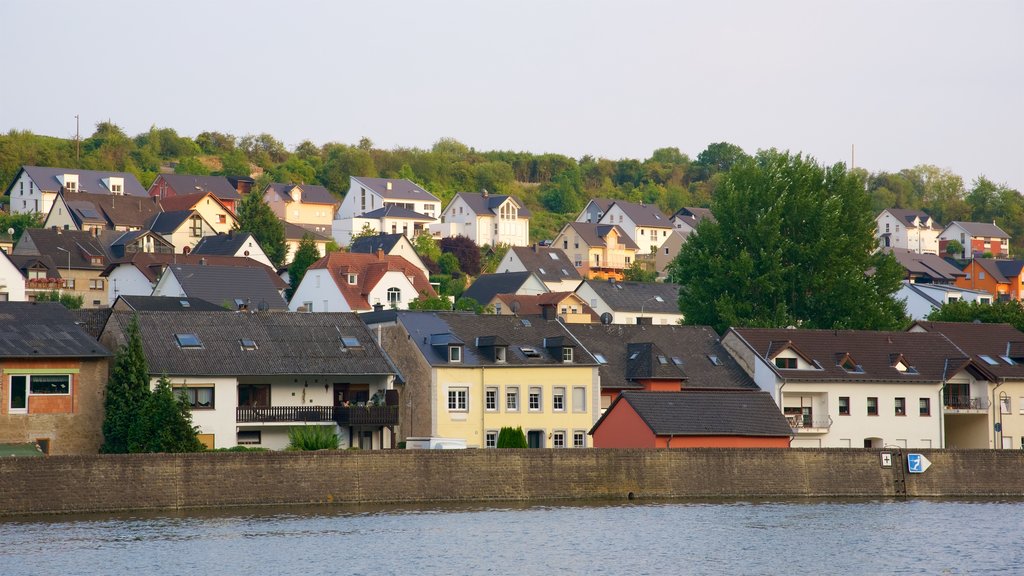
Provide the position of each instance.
(965, 405)
(801, 425)
(341, 415)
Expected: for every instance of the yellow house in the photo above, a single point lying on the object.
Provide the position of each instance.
(568, 306)
(302, 203)
(598, 251)
(182, 228)
(467, 376)
(212, 209)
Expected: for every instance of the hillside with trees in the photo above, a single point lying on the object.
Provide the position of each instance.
(554, 186)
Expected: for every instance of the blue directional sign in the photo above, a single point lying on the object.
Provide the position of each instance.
(917, 463)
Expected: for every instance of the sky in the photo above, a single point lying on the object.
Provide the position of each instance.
(888, 85)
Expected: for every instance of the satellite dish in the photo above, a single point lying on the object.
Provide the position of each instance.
(606, 318)
(514, 306)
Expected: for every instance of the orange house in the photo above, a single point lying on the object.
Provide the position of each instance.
(53, 376)
(1001, 278)
(692, 418)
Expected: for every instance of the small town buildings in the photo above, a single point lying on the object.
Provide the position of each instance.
(911, 230)
(12, 280)
(566, 306)
(632, 302)
(977, 239)
(925, 268)
(1000, 278)
(598, 251)
(170, 185)
(302, 204)
(53, 376)
(126, 303)
(232, 243)
(293, 235)
(667, 252)
(550, 264)
(182, 229)
(97, 212)
(923, 299)
(645, 224)
(467, 376)
(486, 219)
(415, 208)
(39, 275)
(136, 274)
(390, 244)
(976, 416)
(692, 418)
(854, 389)
(658, 358)
(686, 220)
(35, 188)
(80, 258)
(234, 287)
(347, 282)
(206, 204)
(251, 377)
(487, 286)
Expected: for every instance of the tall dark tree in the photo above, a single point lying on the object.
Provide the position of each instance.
(305, 256)
(164, 423)
(792, 245)
(465, 250)
(256, 217)
(126, 392)
(716, 158)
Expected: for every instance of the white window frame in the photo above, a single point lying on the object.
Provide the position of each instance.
(558, 399)
(512, 399)
(29, 394)
(491, 439)
(558, 439)
(394, 295)
(455, 354)
(579, 439)
(491, 399)
(458, 399)
(567, 354)
(535, 399)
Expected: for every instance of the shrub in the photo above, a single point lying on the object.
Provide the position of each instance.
(509, 437)
(312, 438)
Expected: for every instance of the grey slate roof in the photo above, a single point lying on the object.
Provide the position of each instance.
(907, 216)
(693, 216)
(517, 333)
(370, 244)
(550, 264)
(57, 244)
(487, 286)
(90, 181)
(997, 341)
(311, 193)
(26, 262)
(169, 304)
(705, 412)
(188, 184)
(109, 210)
(401, 189)
(297, 231)
(644, 214)
(925, 265)
(396, 212)
(634, 296)
(593, 234)
(481, 204)
(286, 344)
(1001, 270)
(222, 244)
(223, 284)
(44, 330)
(981, 229)
(92, 320)
(168, 222)
(693, 345)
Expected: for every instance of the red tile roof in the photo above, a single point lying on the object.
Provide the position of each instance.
(369, 270)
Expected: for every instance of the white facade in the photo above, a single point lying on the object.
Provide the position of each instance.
(647, 238)
(128, 280)
(168, 285)
(362, 198)
(923, 299)
(12, 283)
(319, 292)
(27, 197)
(921, 236)
(504, 226)
(512, 263)
(594, 300)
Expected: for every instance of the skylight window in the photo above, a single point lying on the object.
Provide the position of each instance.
(1008, 360)
(184, 303)
(988, 359)
(565, 272)
(529, 352)
(188, 341)
(350, 342)
(677, 360)
(247, 344)
(662, 359)
(541, 270)
(715, 360)
(525, 322)
(553, 255)
(600, 358)
(634, 355)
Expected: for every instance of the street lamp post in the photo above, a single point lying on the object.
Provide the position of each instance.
(644, 303)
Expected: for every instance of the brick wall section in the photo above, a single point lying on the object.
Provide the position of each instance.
(162, 481)
(414, 418)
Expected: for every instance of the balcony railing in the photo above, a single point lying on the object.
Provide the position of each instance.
(966, 403)
(799, 425)
(342, 415)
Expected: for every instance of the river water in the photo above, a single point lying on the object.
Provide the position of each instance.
(634, 538)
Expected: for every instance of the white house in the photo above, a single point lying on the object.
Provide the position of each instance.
(923, 299)
(35, 188)
(137, 273)
(249, 378)
(12, 282)
(485, 218)
(861, 389)
(632, 302)
(550, 264)
(912, 230)
(237, 244)
(348, 282)
(367, 195)
(392, 245)
(686, 219)
(643, 223)
(977, 238)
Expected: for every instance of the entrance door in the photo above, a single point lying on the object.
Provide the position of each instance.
(535, 439)
(19, 394)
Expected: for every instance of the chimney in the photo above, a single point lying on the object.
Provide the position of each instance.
(202, 261)
(380, 253)
(485, 193)
(378, 307)
(536, 248)
(389, 184)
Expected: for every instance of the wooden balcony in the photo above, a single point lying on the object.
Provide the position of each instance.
(341, 415)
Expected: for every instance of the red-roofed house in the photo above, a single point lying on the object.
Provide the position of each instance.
(349, 282)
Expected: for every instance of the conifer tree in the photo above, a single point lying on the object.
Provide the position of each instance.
(256, 217)
(305, 256)
(164, 423)
(126, 392)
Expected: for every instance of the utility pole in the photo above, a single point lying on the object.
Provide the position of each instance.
(77, 161)
(853, 155)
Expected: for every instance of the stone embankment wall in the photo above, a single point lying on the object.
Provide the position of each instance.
(66, 484)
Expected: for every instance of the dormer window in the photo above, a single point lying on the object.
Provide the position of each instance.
(500, 354)
(352, 279)
(785, 363)
(567, 354)
(455, 354)
(847, 363)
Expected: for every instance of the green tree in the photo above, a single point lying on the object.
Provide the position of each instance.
(164, 423)
(449, 264)
(256, 217)
(191, 165)
(304, 257)
(426, 247)
(465, 250)
(235, 163)
(366, 232)
(126, 392)
(509, 437)
(424, 302)
(716, 158)
(1000, 311)
(70, 301)
(467, 304)
(954, 248)
(637, 272)
(792, 245)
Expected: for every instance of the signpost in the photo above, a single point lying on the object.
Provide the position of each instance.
(917, 463)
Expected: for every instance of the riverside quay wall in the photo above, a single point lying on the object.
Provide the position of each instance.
(71, 484)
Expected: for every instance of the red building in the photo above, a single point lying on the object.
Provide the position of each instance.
(170, 185)
(693, 418)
